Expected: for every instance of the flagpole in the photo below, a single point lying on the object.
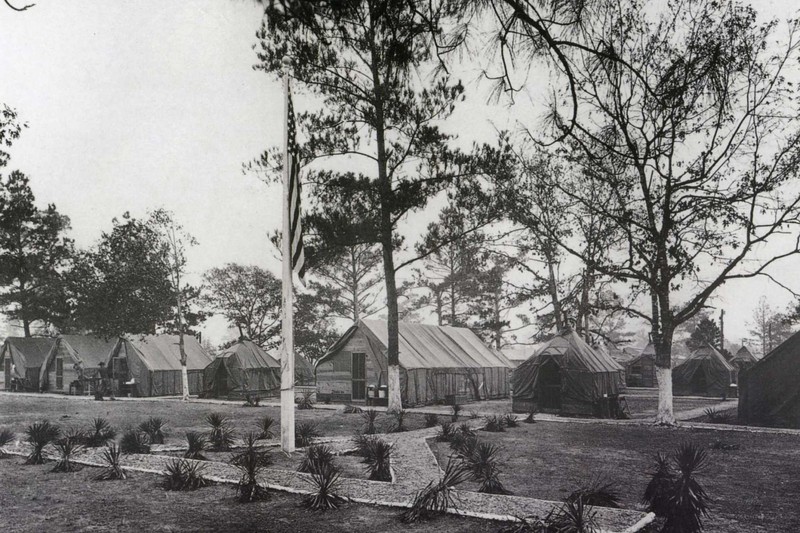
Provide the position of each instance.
(287, 323)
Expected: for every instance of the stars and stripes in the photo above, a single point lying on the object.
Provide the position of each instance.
(295, 229)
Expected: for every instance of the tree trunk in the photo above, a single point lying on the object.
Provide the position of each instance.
(26, 327)
(662, 342)
(558, 319)
(181, 347)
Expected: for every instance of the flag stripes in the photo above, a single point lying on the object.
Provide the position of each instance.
(295, 229)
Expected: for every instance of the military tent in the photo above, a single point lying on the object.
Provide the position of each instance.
(22, 359)
(704, 373)
(240, 369)
(438, 364)
(743, 359)
(151, 365)
(769, 390)
(641, 371)
(521, 353)
(568, 377)
(74, 363)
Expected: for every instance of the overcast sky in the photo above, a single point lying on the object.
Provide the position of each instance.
(134, 105)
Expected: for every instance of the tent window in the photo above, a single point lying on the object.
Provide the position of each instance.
(59, 373)
(359, 376)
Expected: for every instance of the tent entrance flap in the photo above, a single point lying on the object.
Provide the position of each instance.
(550, 380)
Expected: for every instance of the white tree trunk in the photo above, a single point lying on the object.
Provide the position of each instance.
(185, 382)
(665, 415)
(393, 379)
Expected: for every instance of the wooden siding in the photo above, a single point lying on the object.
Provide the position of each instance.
(334, 376)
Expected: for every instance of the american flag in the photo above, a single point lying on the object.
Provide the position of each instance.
(295, 230)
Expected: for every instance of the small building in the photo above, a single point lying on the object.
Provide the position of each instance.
(73, 365)
(704, 373)
(641, 371)
(151, 365)
(437, 364)
(743, 358)
(241, 369)
(22, 359)
(769, 390)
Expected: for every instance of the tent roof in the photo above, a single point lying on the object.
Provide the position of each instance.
(90, 349)
(250, 355)
(161, 352)
(424, 346)
(744, 355)
(570, 351)
(34, 349)
(520, 353)
(788, 347)
(710, 353)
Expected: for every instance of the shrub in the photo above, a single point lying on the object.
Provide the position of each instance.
(363, 444)
(304, 433)
(378, 461)
(446, 432)
(369, 421)
(78, 436)
(597, 493)
(675, 494)
(437, 496)
(510, 421)
(39, 435)
(481, 461)
(251, 462)
(100, 433)
(493, 424)
(182, 474)
(265, 427)
(463, 440)
(431, 420)
(112, 469)
(154, 428)
(531, 418)
(573, 517)
(306, 402)
(399, 417)
(67, 447)
(6, 437)
(134, 441)
(325, 480)
(718, 417)
(221, 434)
(316, 456)
(352, 409)
(197, 444)
(251, 400)
(456, 411)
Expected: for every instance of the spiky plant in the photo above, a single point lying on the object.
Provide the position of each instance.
(657, 492)
(463, 444)
(597, 492)
(76, 435)
(688, 502)
(154, 428)
(304, 433)
(197, 444)
(399, 416)
(437, 496)
(446, 432)
(6, 437)
(431, 420)
(473, 415)
(134, 441)
(352, 409)
(481, 460)
(100, 433)
(265, 427)
(363, 443)
(221, 434)
(325, 482)
(315, 456)
(510, 421)
(67, 447)
(251, 400)
(112, 469)
(456, 411)
(369, 421)
(182, 474)
(717, 417)
(39, 435)
(251, 462)
(573, 517)
(493, 424)
(531, 418)
(378, 461)
(306, 402)
(532, 524)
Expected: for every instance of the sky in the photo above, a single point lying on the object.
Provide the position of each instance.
(136, 105)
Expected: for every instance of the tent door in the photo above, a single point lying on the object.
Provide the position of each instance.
(359, 374)
(7, 372)
(59, 373)
(221, 382)
(550, 379)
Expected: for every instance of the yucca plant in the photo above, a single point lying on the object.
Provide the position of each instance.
(657, 492)
(112, 469)
(197, 444)
(598, 493)
(378, 461)
(717, 417)
(493, 424)
(481, 461)
(352, 409)
(399, 418)
(456, 411)
(437, 496)
(325, 481)
(315, 456)
(77, 436)
(306, 402)
(688, 502)
(220, 435)
(39, 435)
(265, 427)
(431, 420)
(67, 447)
(6, 437)
(134, 441)
(532, 524)
(154, 428)
(251, 462)
(573, 517)
(446, 432)
(304, 433)
(531, 418)
(369, 421)
(363, 444)
(100, 433)
(473, 415)
(510, 421)
(182, 474)
(463, 444)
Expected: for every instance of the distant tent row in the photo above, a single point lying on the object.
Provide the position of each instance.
(568, 376)
(437, 364)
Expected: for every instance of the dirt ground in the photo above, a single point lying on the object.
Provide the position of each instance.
(33, 499)
(755, 488)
